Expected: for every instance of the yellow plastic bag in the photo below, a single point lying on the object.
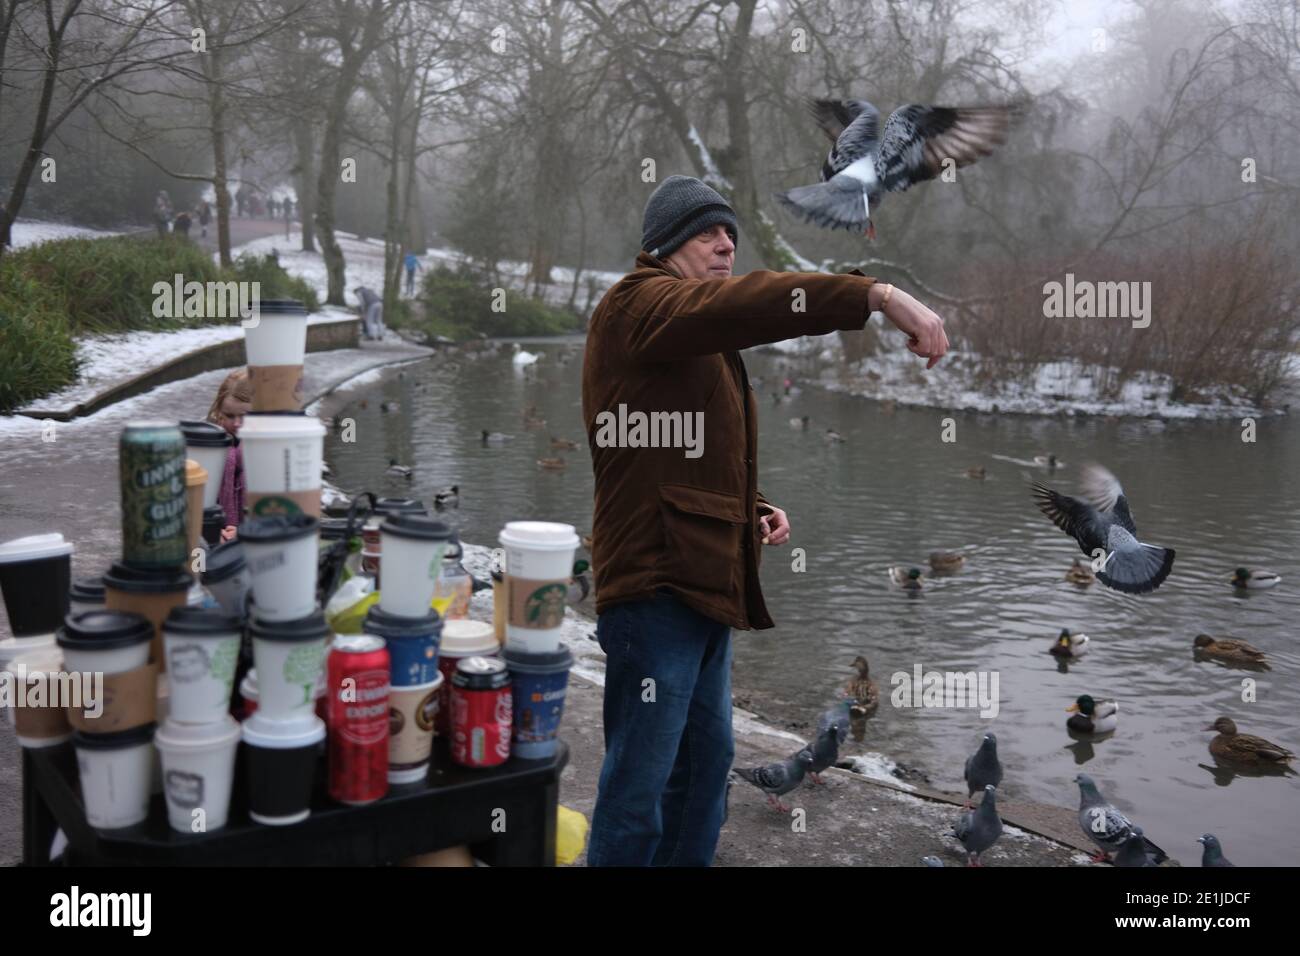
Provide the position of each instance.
(347, 608)
(570, 835)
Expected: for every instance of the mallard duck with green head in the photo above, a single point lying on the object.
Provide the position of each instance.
(1070, 645)
(1092, 716)
(1254, 580)
(1230, 651)
(909, 579)
(1245, 748)
(863, 690)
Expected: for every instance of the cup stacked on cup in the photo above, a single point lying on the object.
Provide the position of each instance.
(34, 576)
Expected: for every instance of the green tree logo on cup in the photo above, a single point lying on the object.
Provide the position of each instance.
(223, 661)
(274, 505)
(545, 606)
(302, 666)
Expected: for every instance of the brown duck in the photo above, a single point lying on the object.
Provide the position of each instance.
(553, 464)
(566, 444)
(863, 690)
(1245, 748)
(1230, 651)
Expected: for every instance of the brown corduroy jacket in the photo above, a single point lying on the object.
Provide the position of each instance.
(660, 343)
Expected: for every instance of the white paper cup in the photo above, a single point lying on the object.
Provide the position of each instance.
(539, 564)
(288, 656)
(43, 726)
(208, 445)
(277, 334)
(281, 554)
(412, 547)
(202, 651)
(282, 463)
(412, 712)
(109, 642)
(115, 771)
(198, 763)
(13, 647)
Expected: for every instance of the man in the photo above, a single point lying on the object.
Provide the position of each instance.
(412, 263)
(675, 535)
(372, 312)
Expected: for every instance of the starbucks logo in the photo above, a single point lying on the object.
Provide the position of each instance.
(545, 606)
(273, 505)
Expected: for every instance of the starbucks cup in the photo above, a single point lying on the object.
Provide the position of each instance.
(282, 556)
(275, 342)
(108, 642)
(412, 712)
(460, 638)
(412, 644)
(86, 594)
(280, 759)
(288, 656)
(540, 683)
(539, 563)
(207, 445)
(115, 771)
(198, 770)
(201, 648)
(34, 676)
(282, 464)
(226, 577)
(151, 593)
(34, 576)
(412, 547)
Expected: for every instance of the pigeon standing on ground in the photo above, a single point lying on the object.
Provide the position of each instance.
(1134, 851)
(983, 769)
(917, 143)
(1104, 825)
(1101, 521)
(777, 779)
(825, 750)
(979, 829)
(1213, 854)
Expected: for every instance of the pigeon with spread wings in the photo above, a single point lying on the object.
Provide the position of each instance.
(865, 162)
(1101, 520)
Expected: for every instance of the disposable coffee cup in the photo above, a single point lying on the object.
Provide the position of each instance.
(282, 464)
(412, 644)
(275, 341)
(227, 578)
(280, 760)
(288, 656)
(86, 594)
(115, 772)
(540, 684)
(14, 647)
(35, 676)
(539, 563)
(214, 522)
(282, 554)
(412, 713)
(460, 638)
(198, 771)
(202, 652)
(34, 576)
(208, 445)
(151, 593)
(107, 642)
(412, 547)
(196, 477)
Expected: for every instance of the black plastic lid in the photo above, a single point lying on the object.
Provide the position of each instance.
(119, 740)
(103, 630)
(123, 577)
(200, 620)
(309, 628)
(386, 624)
(395, 506)
(281, 306)
(89, 590)
(277, 528)
(417, 527)
(205, 435)
(547, 660)
(224, 561)
(481, 673)
(214, 513)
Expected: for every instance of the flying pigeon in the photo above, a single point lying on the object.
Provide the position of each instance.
(1101, 521)
(865, 162)
(825, 750)
(1106, 826)
(983, 769)
(1213, 855)
(839, 716)
(779, 778)
(979, 829)
(1134, 851)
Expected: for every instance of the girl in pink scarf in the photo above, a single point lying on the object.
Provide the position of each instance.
(233, 401)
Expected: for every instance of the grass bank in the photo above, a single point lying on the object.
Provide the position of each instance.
(463, 305)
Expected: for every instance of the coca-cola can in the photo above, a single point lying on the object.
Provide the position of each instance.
(481, 712)
(358, 719)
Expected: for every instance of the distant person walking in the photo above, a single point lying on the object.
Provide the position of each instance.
(205, 217)
(162, 212)
(412, 263)
(272, 207)
(372, 312)
(288, 215)
(182, 224)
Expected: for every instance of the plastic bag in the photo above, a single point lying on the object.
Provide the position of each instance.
(347, 608)
(570, 835)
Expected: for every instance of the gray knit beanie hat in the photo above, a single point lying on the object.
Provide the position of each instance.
(680, 208)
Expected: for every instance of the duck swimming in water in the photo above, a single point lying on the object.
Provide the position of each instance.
(1254, 580)
(1093, 716)
(1070, 645)
(1230, 651)
(1245, 748)
(909, 579)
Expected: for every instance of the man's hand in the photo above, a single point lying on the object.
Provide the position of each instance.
(923, 328)
(775, 526)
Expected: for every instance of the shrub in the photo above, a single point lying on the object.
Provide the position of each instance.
(458, 305)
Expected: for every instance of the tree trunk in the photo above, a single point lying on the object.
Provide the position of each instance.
(392, 213)
(306, 180)
(36, 144)
(217, 105)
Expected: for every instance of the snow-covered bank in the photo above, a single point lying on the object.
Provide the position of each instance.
(32, 232)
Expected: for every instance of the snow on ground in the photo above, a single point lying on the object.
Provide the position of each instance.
(32, 232)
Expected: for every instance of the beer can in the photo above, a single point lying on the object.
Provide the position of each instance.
(151, 465)
(482, 712)
(357, 678)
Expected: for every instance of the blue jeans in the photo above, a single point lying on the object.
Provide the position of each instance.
(668, 747)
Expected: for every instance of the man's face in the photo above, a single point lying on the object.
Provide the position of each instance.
(707, 255)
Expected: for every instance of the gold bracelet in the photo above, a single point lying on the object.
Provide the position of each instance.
(889, 290)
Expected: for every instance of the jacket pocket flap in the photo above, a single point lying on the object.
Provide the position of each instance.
(702, 501)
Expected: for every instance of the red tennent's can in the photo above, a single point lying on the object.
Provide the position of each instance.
(358, 719)
(481, 712)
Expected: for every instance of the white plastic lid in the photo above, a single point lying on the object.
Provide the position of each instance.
(280, 426)
(539, 535)
(465, 638)
(34, 548)
(260, 731)
(176, 736)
